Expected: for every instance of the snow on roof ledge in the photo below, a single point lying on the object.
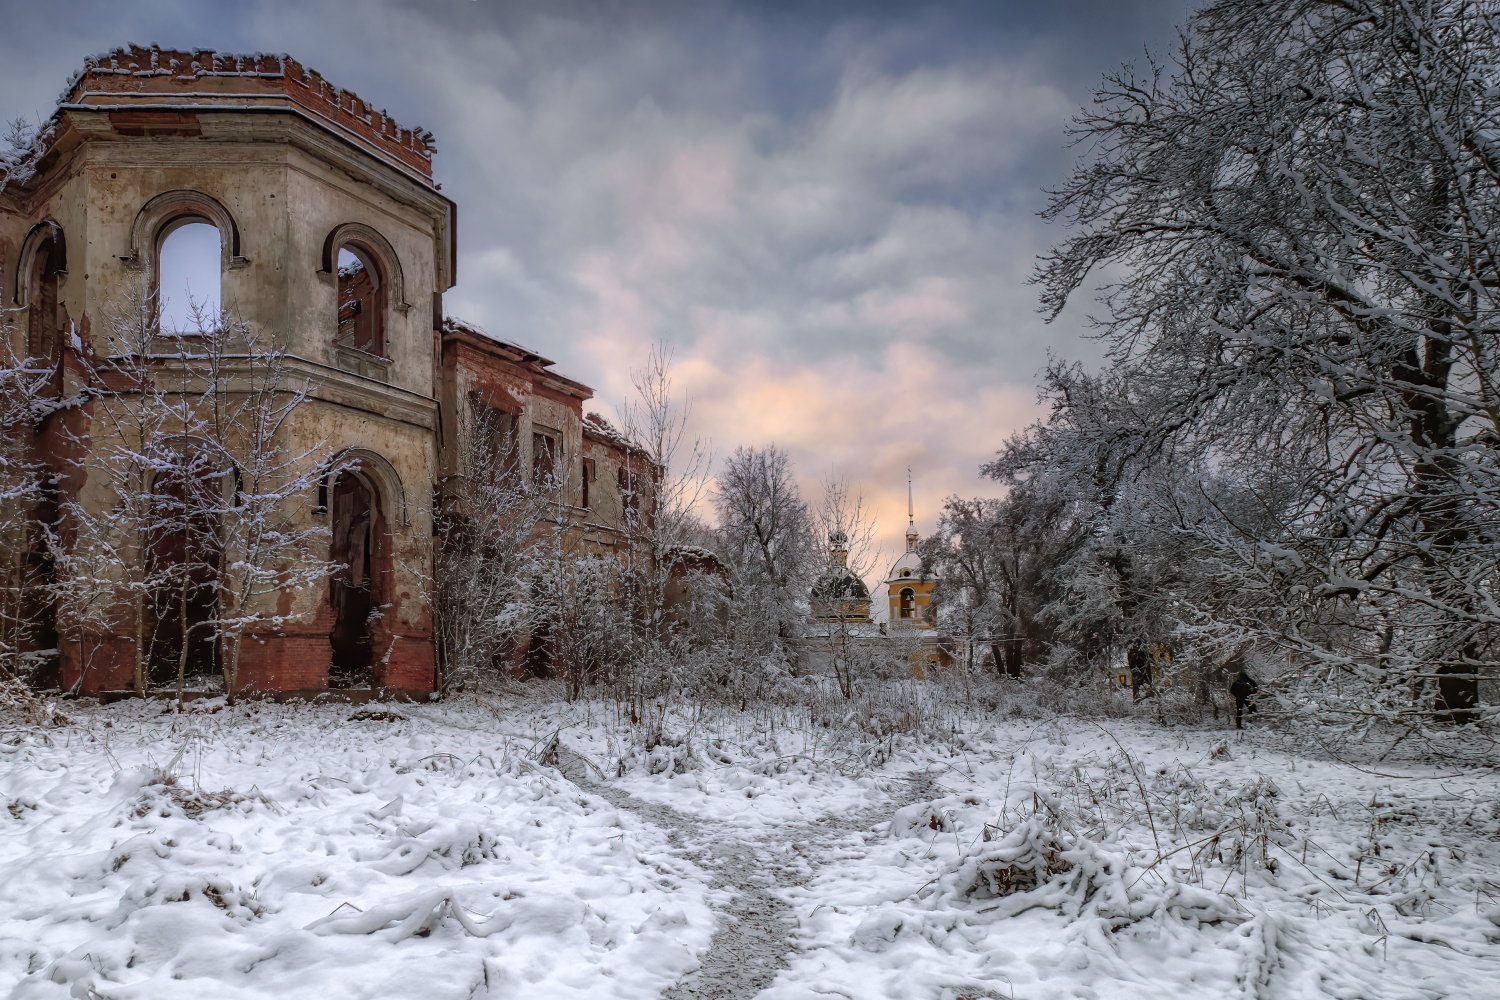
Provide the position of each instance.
(455, 324)
(175, 74)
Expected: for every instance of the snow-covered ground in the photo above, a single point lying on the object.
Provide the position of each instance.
(457, 851)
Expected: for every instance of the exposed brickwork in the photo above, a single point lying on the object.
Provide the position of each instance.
(211, 76)
(285, 661)
(411, 666)
(151, 98)
(107, 666)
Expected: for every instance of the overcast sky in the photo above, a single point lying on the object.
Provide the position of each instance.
(828, 210)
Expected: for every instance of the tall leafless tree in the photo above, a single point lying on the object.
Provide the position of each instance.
(666, 477)
(769, 537)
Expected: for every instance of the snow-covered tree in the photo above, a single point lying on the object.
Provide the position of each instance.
(199, 497)
(135, 434)
(664, 479)
(998, 562)
(267, 544)
(769, 538)
(1302, 213)
(488, 520)
(575, 614)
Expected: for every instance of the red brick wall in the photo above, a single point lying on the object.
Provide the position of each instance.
(411, 667)
(106, 666)
(293, 659)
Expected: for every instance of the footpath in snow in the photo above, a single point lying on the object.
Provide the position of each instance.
(544, 850)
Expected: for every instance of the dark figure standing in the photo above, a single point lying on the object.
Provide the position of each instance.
(1242, 688)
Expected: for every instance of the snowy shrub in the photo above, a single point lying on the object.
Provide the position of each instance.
(418, 913)
(1045, 696)
(1043, 862)
(20, 149)
(182, 887)
(17, 699)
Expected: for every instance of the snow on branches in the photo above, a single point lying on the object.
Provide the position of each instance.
(1302, 393)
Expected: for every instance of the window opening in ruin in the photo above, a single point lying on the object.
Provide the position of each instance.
(42, 327)
(908, 602)
(188, 272)
(544, 470)
(361, 320)
(494, 440)
(628, 498)
(355, 590)
(184, 560)
(588, 478)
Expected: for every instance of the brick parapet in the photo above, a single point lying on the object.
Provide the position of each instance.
(144, 70)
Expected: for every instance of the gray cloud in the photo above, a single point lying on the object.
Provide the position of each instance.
(828, 210)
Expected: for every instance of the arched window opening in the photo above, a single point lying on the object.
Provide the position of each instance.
(908, 602)
(361, 319)
(189, 265)
(356, 590)
(42, 335)
(183, 562)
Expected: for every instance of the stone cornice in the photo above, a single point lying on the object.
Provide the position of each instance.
(325, 384)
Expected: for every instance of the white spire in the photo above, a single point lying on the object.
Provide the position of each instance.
(911, 516)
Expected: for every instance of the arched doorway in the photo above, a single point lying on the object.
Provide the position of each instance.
(357, 589)
(42, 326)
(183, 563)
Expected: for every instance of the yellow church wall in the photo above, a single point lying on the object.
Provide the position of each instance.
(921, 597)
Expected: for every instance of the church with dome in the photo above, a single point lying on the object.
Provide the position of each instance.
(842, 626)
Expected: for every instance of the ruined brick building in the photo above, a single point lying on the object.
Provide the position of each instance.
(331, 232)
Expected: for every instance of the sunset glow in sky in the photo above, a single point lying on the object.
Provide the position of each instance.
(827, 210)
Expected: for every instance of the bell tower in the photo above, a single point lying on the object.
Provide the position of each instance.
(908, 586)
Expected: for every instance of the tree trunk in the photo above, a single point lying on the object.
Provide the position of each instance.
(182, 654)
(1139, 663)
(140, 643)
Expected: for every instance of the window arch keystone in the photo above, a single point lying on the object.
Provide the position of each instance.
(368, 239)
(165, 209)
